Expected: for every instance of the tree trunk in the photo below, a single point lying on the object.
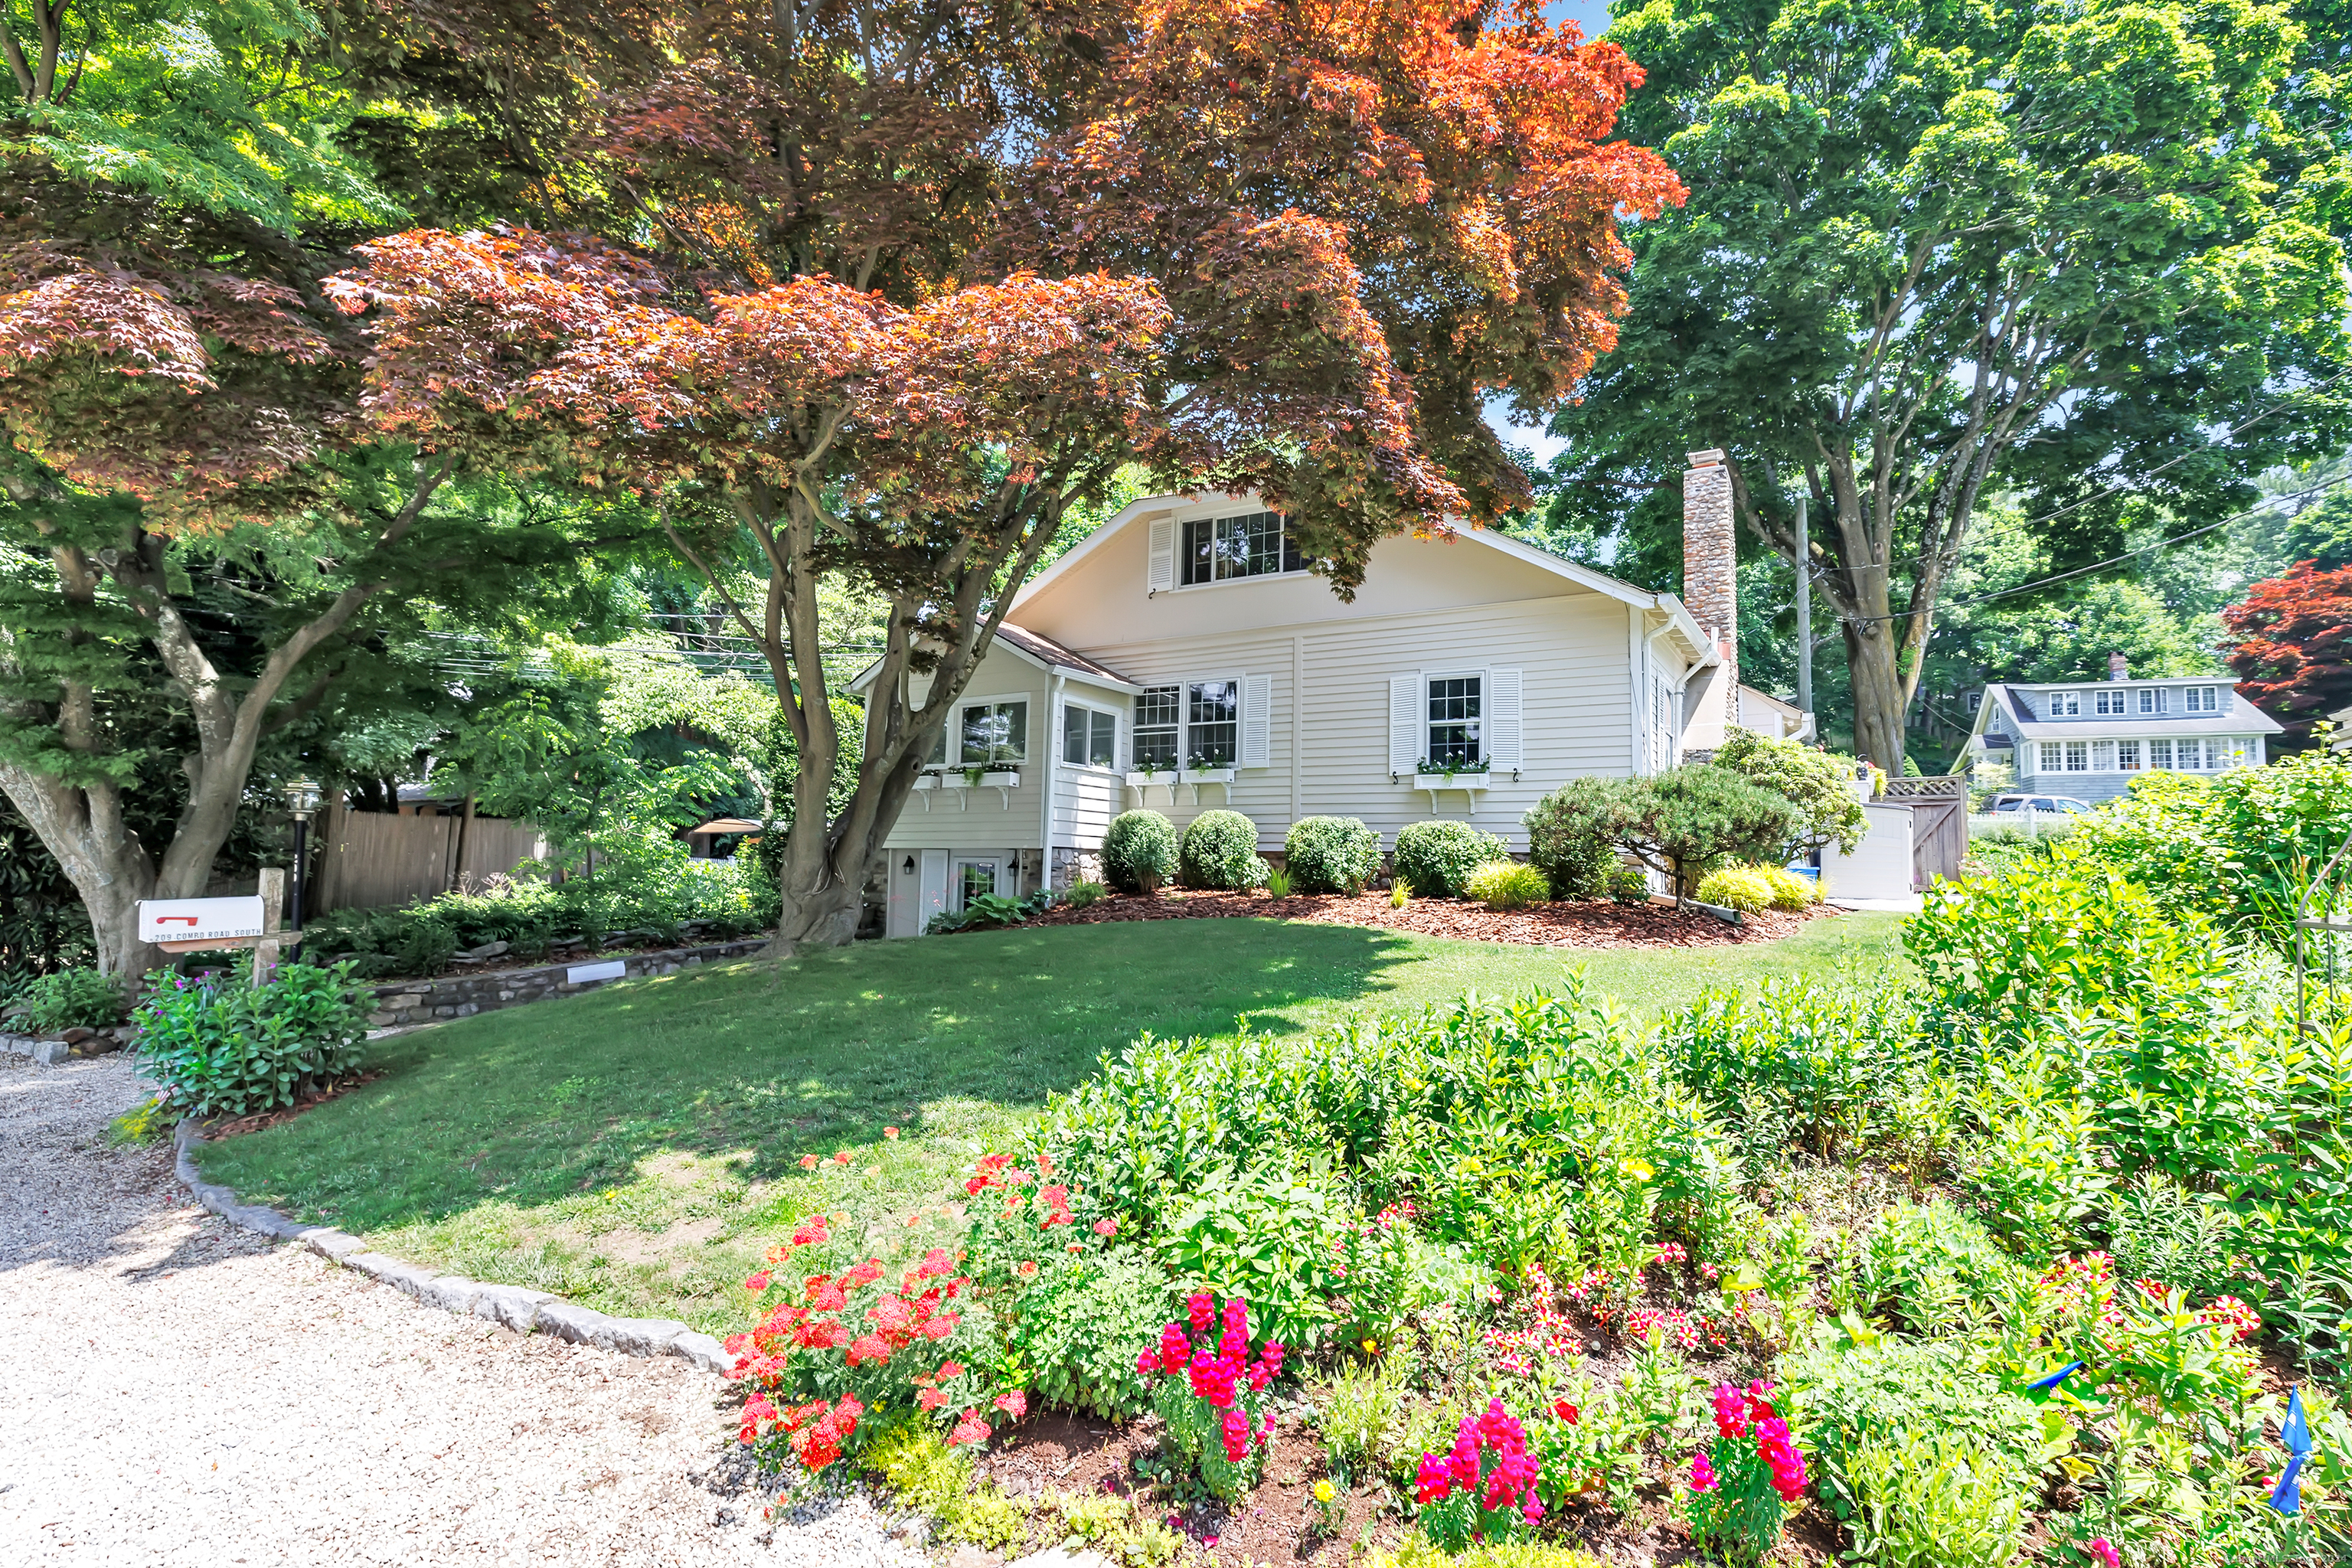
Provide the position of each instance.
(1881, 694)
(100, 855)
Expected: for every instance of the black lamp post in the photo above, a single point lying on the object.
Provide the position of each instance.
(301, 799)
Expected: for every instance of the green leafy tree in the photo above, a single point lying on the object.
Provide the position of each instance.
(1819, 788)
(1936, 252)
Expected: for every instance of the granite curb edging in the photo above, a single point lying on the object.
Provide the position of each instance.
(523, 1311)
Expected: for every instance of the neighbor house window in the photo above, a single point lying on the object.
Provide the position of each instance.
(2103, 756)
(2054, 756)
(1213, 723)
(994, 733)
(1222, 549)
(2151, 698)
(2202, 699)
(2078, 757)
(1454, 702)
(1159, 726)
(2159, 754)
(1089, 737)
(2065, 704)
(2109, 702)
(2127, 756)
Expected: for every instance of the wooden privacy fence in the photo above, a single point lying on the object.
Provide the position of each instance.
(1939, 825)
(370, 859)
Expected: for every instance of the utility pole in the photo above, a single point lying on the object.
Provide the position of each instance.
(1804, 611)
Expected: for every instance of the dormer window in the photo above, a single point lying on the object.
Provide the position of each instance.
(2107, 702)
(1223, 549)
(2151, 698)
(2065, 705)
(2202, 699)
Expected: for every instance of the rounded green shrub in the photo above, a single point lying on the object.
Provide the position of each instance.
(1742, 888)
(1438, 857)
(1569, 838)
(70, 998)
(1508, 885)
(1331, 855)
(1219, 851)
(224, 1047)
(1138, 851)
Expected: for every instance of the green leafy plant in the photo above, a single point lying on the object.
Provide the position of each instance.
(1508, 885)
(1277, 883)
(1687, 821)
(1570, 838)
(1932, 1499)
(1077, 1326)
(1139, 851)
(1331, 855)
(1078, 895)
(1935, 1269)
(1438, 857)
(222, 1046)
(1219, 851)
(68, 999)
(151, 1122)
(1817, 786)
(915, 1462)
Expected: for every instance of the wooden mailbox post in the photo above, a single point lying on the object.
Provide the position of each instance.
(205, 925)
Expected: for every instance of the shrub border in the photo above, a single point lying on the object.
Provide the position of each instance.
(523, 1311)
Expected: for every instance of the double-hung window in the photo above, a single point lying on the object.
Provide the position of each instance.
(1224, 549)
(1455, 728)
(993, 733)
(2065, 705)
(2151, 698)
(2202, 699)
(2108, 701)
(1195, 724)
(1213, 723)
(1160, 726)
(1089, 737)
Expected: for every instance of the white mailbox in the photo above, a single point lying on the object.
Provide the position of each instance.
(203, 923)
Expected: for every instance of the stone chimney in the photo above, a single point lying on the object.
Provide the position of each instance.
(1711, 565)
(2118, 667)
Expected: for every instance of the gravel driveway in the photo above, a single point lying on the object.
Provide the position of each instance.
(176, 1390)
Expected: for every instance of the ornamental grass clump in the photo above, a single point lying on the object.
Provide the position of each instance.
(1485, 1490)
(1211, 1396)
(1508, 885)
(1744, 1483)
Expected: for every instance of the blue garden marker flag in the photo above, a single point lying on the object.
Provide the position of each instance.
(2043, 1385)
(2294, 1433)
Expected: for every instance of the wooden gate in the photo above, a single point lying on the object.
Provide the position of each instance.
(1939, 825)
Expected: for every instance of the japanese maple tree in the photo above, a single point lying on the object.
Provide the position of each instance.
(2289, 643)
(906, 281)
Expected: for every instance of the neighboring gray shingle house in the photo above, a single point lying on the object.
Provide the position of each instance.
(2088, 738)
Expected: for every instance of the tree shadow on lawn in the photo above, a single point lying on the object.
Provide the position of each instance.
(760, 1064)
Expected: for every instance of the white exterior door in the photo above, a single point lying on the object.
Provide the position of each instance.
(932, 898)
(975, 876)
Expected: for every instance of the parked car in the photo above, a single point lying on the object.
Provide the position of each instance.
(2018, 805)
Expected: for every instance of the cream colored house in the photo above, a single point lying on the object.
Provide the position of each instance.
(1183, 658)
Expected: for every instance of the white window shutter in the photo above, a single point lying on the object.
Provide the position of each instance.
(1504, 727)
(1405, 723)
(1163, 554)
(1257, 700)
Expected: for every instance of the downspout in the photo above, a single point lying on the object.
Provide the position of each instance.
(1053, 739)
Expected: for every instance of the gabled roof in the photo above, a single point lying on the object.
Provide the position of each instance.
(2005, 701)
(1031, 648)
(1518, 550)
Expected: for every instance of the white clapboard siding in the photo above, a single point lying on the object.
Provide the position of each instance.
(1163, 555)
(1405, 721)
(1505, 725)
(1257, 720)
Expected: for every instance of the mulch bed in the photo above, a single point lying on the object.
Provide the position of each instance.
(1598, 923)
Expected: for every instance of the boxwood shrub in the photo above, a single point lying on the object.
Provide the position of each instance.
(1331, 855)
(1138, 851)
(1437, 858)
(1219, 851)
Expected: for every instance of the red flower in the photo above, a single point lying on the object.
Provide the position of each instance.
(808, 1161)
(757, 1282)
(950, 1369)
(1016, 1404)
(1106, 1227)
(971, 1429)
(930, 1399)
(869, 1347)
(865, 1273)
(1027, 1269)
(1564, 1410)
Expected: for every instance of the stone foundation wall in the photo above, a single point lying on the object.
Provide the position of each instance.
(405, 1002)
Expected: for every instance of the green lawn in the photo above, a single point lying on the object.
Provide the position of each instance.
(639, 1147)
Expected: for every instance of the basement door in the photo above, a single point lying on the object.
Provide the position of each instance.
(975, 876)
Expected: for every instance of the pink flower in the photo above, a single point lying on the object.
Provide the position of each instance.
(950, 1369)
(971, 1429)
(891, 1132)
(2104, 1553)
(1146, 1364)
(808, 1161)
(1202, 1310)
(1106, 1227)
(1016, 1404)
(930, 1399)
(1702, 1473)
(757, 1282)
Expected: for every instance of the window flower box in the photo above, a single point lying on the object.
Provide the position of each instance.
(1208, 775)
(1000, 778)
(1435, 782)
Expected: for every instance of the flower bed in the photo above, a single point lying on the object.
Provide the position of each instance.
(1593, 923)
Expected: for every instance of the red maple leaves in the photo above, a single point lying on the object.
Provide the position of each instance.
(2292, 645)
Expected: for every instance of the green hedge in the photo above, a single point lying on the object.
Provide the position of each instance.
(1139, 851)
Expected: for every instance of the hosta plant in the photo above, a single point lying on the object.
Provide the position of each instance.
(1211, 1395)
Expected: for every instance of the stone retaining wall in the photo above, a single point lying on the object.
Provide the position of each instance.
(403, 1002)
